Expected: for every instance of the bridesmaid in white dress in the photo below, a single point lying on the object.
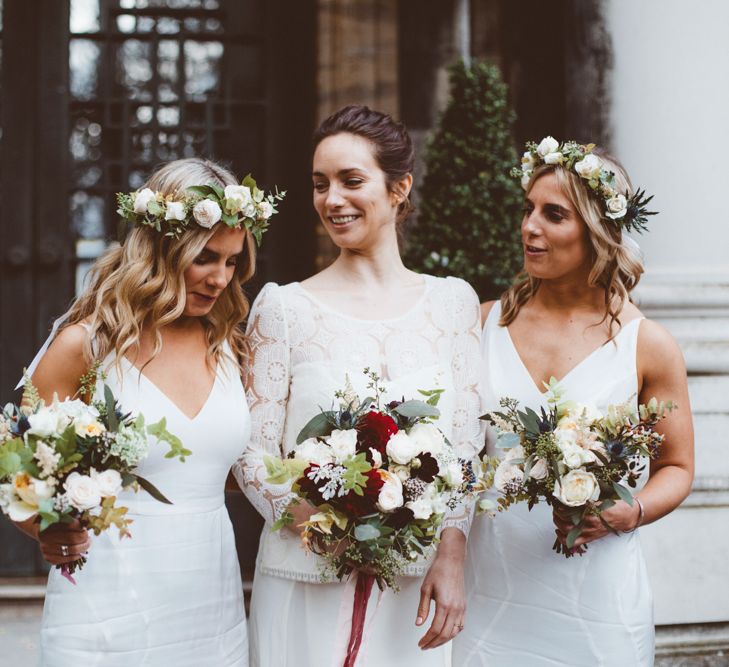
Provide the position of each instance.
(365, 310)
(162, 314)
(570, 317)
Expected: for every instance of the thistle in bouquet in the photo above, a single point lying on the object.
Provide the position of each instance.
(573, 457)
(381, 477)
(70, 460)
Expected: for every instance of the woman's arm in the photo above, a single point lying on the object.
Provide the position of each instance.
(444, 581)
(267, 390)
(661, 374)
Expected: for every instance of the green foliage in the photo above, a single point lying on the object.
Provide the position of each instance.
(468, 224)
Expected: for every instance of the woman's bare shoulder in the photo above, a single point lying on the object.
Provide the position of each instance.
(486, 307)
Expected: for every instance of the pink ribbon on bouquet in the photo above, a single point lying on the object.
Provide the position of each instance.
(351, 636)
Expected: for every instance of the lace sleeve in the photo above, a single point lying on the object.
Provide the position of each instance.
(467, 433)
(267, 390)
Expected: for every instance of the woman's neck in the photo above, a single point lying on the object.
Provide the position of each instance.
(569, 295)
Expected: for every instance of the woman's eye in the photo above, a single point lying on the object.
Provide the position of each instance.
(200, 260)
(320, 187)
(353, 182)
(527, 209)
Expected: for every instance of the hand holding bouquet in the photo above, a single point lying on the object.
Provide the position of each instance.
(573, 457)
(68, 462)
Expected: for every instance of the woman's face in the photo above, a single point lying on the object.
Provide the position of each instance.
(212, 270)
(350, 191)
(554, 236)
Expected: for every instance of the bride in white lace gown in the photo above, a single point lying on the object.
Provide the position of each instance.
(171, 595)
(529, 606)
(366, 310)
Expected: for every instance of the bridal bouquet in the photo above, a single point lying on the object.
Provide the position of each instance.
(574, 456)
(381, 478)
(70, 460)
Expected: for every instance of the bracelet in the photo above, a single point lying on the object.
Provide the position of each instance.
(641, 516)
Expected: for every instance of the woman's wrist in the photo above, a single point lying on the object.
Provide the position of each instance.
(452, 544)
(640, 515)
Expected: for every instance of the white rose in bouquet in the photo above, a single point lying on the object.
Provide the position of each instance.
(206, 213)
(421, 507)
(547, 145)
(376, 458)
(515, 453)
(109, 482)
(403, 472)
(589, 167)
(576, 488)
(508, 477)
(453, 474)
(88, 427)
(76, 409)
(427, 437)
(175, 210)
(539, 470)
(314, 451)
(390, 496)
(47, 421)
(237, 198)
(82, 492)
(343, 443)
(401, 448)
(142, 199)
(27, 493)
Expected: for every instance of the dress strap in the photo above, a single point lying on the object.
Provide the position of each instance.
(44, 348)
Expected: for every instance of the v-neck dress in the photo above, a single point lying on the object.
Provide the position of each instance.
(529, 606)
(170, 596)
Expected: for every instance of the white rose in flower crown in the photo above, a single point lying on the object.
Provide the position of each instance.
(527, 161)
(109, 482)
(547, 145)
(47, 421)
(525, 178)
(390, 496)
(343, 443)
(314, 451)
(249, 211)
(617, 207)
(265, 210)
(589, 167)
(237, 197)
(82, 492)
(554, 158)
(508, 477)
(539, 470)
(576, 488)
(401, 448)
(141, 199)
(206, 213)
(175, 210)
(427, 437)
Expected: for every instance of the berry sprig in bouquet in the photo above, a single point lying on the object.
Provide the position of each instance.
(381, 477)
(574, 457)
(70, 460)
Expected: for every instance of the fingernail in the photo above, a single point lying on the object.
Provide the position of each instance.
(418, 621)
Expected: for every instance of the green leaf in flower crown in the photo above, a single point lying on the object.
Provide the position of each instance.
(317, 427)
(624, 493)
(229, 219)
(152, 490)
(249, 182)
(202, 190)
(414, 409)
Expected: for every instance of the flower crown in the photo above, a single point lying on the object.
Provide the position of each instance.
(236, 206)
(628, 213)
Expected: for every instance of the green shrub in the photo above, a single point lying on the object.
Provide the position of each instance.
(470, 208)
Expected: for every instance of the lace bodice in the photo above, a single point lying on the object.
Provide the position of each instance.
(302, 350)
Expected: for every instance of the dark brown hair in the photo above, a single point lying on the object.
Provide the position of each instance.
(393, 148)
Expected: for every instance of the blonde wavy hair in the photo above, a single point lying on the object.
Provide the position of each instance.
(617, 264)
(141, 283)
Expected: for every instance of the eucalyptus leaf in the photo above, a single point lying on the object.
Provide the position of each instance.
(624, 493)
(414, 409)
(507, 440)
(317, 427)
(152, 490)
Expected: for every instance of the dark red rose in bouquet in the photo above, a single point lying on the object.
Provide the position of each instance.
(355, 505)
(400, 518)
(373, 431)
(428, 468)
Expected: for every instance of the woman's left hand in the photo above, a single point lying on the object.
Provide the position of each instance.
(444, 583)
(621, 517)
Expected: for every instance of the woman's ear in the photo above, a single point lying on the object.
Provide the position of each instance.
(401, 189)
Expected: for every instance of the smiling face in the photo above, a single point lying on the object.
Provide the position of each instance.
(554, 236)
(351, 194)
(212, 270)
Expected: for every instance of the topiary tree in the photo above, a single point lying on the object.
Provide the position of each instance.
(470, 207)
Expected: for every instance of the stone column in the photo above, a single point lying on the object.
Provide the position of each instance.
(669, 101)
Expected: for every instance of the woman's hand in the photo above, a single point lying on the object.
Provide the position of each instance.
(621, 517)
(64, 542)
(444, 583)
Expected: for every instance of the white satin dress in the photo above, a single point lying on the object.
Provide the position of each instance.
(170, 596)
(529, 606)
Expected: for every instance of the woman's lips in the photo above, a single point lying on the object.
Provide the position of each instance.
(533, 251)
